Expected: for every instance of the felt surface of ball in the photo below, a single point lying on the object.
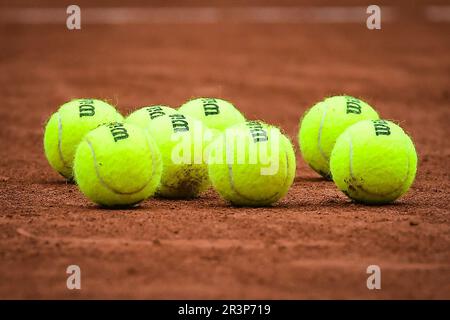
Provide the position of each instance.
(215, 113)
(252, 164)
(143, 117)
(66, 128)
(323, 123)
(181, 141)
(117, 165)
(374, 162)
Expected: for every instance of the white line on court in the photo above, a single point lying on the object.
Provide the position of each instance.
(438, 13)
(209, 15)
(202, 15)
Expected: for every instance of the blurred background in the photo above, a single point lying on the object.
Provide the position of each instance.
(273, 60)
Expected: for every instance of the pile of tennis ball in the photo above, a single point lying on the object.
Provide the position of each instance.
(207, 143)
(371, 160)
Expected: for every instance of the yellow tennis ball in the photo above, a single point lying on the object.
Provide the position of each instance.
(117, 165)
(215, 113)
(67, 126)
(143, 117)
(252, 164)
(323, 123)
(181, 141)
(374, 162)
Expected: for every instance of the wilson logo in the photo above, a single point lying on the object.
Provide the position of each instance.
(353, 105)
(155, 112)
(179, 123)
(257, 131)
(210, 107)
(381, 128)
(87, 108)
(118, 131)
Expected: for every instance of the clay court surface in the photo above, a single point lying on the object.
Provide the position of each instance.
(315, 243)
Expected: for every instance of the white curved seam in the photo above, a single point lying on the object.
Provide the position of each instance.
(351, 156)
(97, 173)
(149, 145)
(287, 170)
(60, 153)
(322, 121)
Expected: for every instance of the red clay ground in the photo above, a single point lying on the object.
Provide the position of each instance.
(313, 244)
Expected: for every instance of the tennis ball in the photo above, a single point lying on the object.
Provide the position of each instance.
(144, 116)
(117, 165)
(374, 162)
(67, 126)
(323, 123)
(252, 164)
(180, 140)
(214, 113)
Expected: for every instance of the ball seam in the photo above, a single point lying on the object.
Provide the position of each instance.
(60, 153)
(113, 190)
(319, 138)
